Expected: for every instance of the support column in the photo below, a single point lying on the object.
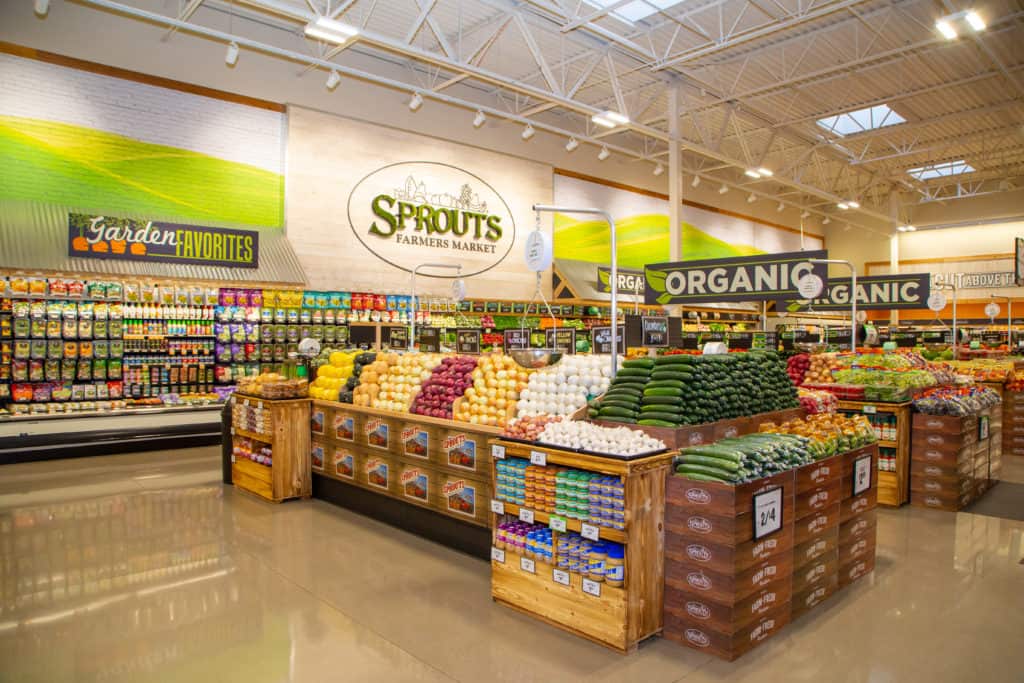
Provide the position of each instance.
(894, 247)
(675, 184)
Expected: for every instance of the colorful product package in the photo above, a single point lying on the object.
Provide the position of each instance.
(99, 368)
(36, 371)
(241, 298)
(266, 315)
(37, 286)
(114, 291)
(114, 368)
(67, 369)
(101, 349)
(58, 287)
(55, 348)
(99, 329)
(19, 370)
(147, 294)
(96, 290)
(22, 349)
(329, 316)
(37, 348)
(166, 293)
(132, 292)
(116, 348)
(53, 329)
(52, 370)
(115, 389)
(61, 391)
(21, 393)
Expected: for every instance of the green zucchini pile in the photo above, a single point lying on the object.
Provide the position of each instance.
(677, 390)
(744, 458)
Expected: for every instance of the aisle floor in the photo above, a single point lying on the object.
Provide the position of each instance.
(145, 568)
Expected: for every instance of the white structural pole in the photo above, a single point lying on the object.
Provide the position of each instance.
(853, 297)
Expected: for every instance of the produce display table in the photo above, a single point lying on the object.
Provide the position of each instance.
(280, 426)
(618, 617)
(729, 588)
(428, 475)
(955, 459)
(893, 486)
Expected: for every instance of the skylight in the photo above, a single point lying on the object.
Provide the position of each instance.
(861, 120)
(941, 170)
(634, 11)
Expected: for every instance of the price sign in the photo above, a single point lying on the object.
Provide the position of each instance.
(505, 307)
(429, 339)
(740, 340)
(527, 565)
(497, 507)
(869, 410)
(517, 339)
(810, 286)
(539, 458)
(691, 341)
(398, 338)
(767, 512)
(590, 531)
(478, 307)
(936, 301)
(592, 588)
(562, 339)
(557, 524)
(861, 474)
(984, 429)
(559, 576)
(654, 330)
(497, 554)
(497, 452)
(467, 341)
(602, 337)
(526, 515)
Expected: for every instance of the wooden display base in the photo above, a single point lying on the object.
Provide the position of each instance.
(952, 458)
(893, 487)
(618, 618)
(288, 438)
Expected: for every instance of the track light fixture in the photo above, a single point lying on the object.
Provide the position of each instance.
(853, 204)
(329, 30)
(696, 181)
(41, 7)
(752, 198)
(610, 119)
(843, 205)
(528, 132)
(415, 102)
(906, 228)
(805, 214)
(479, 119)
(752, 173)
(781, 207)
(965, 20)
(603, 154)
(765, 172)
(826, 220)
(333, 80)
(572, 144)
(231, 56)
(723, 189)
(659, 169)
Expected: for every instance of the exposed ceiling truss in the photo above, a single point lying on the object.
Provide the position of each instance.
(752, 78)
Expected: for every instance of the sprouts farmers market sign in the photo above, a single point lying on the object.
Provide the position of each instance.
(411, 212)
(125, 239)
(873, 292)
(765, 277)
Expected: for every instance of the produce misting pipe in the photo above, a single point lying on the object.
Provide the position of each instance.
(1009, 319)
(853, 296)
(547, 208)
(413, 346)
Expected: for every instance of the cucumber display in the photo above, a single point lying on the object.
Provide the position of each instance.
(744, 458)
(639, 363)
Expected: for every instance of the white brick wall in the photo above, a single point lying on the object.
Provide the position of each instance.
(226, 130)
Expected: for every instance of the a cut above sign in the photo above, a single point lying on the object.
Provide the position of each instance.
(411, 212)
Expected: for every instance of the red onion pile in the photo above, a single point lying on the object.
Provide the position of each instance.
(447, 382)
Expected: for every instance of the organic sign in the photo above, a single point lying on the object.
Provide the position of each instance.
(125, 239)
(630, 281)
(873, 292)
(409, 212)
(746, 278)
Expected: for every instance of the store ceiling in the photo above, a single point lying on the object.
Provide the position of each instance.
(752, 76)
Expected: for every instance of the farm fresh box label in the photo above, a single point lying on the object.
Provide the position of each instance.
(406, 211)
(124, 239)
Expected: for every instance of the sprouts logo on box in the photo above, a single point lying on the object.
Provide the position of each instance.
(405, 211)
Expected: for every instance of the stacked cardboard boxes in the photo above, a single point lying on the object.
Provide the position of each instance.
(857, 515)
(816, 547)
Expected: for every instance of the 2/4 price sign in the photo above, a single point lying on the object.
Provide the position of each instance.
(767, 513)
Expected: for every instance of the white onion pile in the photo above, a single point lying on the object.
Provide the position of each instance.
(598, 439)
(564, 388)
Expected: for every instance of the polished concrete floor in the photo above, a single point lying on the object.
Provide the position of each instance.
(145, 568)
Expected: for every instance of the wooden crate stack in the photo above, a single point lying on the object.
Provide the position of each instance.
(1013, 423)
(950, 459)
(284, 426)
(726, 592)
(816, 545)
(858, 524)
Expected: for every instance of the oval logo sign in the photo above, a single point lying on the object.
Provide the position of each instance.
(417, 211)
(698, 638)
(698, 496)
(698, 610)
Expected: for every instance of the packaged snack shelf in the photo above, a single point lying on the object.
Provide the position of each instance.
(893, 486)
(617, 617)
(285, 428)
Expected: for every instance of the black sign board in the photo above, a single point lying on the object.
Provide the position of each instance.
(505, 307)
(690, 341)
(993, 337)
(467, 340)
(465, 306)
(741, 340)
(517, 339)
(429, 339)
(397, 337)
(903, 291)
(602, 339)
(491, 307)
(837, 336)
(561, 339)
(519, 308)
(904, 339)
(479, 307)
(654, 330)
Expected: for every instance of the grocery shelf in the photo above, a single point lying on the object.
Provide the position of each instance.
(575, 525)
(139, 337)
(255, 436)
(893, 487)
(885, 443)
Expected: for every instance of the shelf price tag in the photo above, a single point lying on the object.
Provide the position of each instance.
(497, 452)
(538, 458)
(497, 554)
(869, 410)
(526, 515)
(861, 474)
(527, 565)
(590, 531)
(497, 507)
(557, 524)
(767, 512)
(559, 576)
(592, 588)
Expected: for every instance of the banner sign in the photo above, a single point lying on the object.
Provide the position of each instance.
(873, 292)
(125, 239)
(630, 281)
(976, 280)
(765, 277)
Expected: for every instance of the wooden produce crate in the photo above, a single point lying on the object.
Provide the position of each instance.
(950, 461)
(893, 487)
(1013, 423)
(725, 591)
(427, 462)
(694, 435)
(285, 428)
(858, 526)
(617, 617)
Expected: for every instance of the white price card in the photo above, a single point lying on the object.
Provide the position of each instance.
(861, 474)
(538, 458)
(232, 457)
(497, 452)
(497, 554)
(592, 588)
(767, 512)
(527, 565)
(869, 410)
(526, 515)
(245, 403)
(497, 507)
(557, 524)
(232, 431)
(559, 576)
(590, 531)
